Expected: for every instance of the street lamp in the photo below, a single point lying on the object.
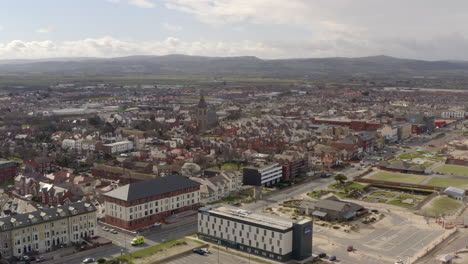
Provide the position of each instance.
(219, 246)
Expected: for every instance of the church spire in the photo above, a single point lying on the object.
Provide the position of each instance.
(202, 103)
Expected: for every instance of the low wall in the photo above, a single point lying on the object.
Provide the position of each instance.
(407, 185)
(452, 161)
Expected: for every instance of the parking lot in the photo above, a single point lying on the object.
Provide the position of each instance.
(398, 239)
(212, 258)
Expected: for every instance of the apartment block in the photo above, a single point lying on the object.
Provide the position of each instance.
(141, 204)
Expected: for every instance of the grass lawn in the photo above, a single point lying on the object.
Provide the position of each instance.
(353, 185)
(441, 205)
(413, 155)
(399, 203)
(131, 257)
(455, 169)
(446, 182)
(397, 177)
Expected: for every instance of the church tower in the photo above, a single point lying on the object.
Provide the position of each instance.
(201, 115)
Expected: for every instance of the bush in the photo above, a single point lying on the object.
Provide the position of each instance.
(101, 260)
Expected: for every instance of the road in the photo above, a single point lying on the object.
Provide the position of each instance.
(121, 242)
(296, 190)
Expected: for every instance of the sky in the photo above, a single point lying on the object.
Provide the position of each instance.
(269, 29)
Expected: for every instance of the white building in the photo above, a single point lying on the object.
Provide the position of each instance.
(455, 114)
(45, 230)
(215, 188)
(265, 175)
(268, 236)
(118, 147)
(68, 144)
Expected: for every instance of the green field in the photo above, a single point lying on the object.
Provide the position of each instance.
(398, 177)
(441, 206)
(446, 182)
(455, 169)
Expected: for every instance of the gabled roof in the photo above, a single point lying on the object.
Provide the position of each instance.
(45, 215)
(143, 189)
(417, 168)
(399, 165)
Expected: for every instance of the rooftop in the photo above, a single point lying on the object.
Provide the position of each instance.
(143, 189)
(45, 215)
(255, 218)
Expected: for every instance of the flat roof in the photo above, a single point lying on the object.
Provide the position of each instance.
(271, 221)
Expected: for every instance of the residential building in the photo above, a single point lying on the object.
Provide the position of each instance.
(42, 165)
(47, 229)
(263, 175)
(141, 204)
(8, 170)
(117, 147)
(268, 236)
(219, 185)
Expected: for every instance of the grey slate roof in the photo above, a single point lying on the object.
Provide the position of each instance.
(143, 189)
(45, 215)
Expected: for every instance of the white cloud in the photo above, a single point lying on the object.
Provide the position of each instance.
(170, 27)
(1, 28)
(44, 30)
(138, 3)
(112, 47)
(444, 47)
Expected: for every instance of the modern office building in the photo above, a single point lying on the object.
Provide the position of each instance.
(268, 236)
(47, 229)
(141, 204)
(263, 175)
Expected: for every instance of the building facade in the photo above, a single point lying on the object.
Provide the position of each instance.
(201, 115)
(46, 230)
(117, 147)
(142, 204)
(8, 170)
(276, 238)
(266, 175)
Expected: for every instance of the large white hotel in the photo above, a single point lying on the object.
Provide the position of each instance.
(268, 236)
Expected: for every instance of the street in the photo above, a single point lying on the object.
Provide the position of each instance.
(122, 242)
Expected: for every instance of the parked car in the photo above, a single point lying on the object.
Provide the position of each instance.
(88, 260)
(113, 231)
(32, 258)
(199, 251)
(40, 259)
(332, 258)
(399, 262)
(106, 229)
(322, 255)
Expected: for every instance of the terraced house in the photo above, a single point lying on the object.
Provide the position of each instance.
(46, 230)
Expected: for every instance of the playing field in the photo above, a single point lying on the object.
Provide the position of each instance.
(398, 177)
(441, 205)
(446, 182)
(455, 169)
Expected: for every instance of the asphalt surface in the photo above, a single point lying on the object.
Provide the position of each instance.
(121, 242)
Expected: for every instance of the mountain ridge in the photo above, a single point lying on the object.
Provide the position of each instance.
(379, 65)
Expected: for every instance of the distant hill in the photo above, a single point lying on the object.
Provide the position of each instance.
(374, 66)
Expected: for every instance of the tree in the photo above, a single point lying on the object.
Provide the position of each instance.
(341, 178)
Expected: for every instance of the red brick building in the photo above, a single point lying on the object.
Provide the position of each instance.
(8, 170)
(141, 204)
